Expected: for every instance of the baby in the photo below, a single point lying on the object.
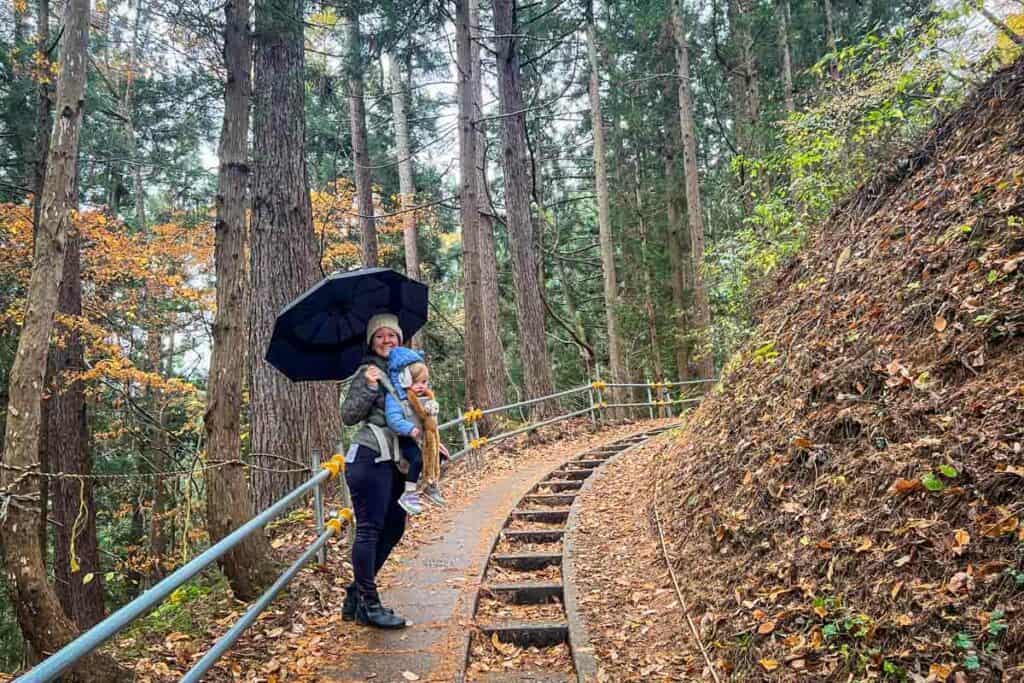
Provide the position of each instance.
(411, 413)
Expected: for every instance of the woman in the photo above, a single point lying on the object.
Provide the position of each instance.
(373, 478)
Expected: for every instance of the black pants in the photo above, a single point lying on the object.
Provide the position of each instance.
(380, 520)
(411, 452)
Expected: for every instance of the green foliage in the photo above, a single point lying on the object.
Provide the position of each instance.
(894, 85)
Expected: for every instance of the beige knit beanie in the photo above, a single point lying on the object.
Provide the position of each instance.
(380, 320)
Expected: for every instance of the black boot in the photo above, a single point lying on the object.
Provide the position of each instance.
(348, 608)
(369, 612)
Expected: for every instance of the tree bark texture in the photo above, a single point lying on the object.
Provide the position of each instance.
(680, 262)
(701, 317)
(76, 548)
(228, 503)
(496, 378)
(406, 186)
(43, 107)
(785, 59)
(518, 180)
(288, 420)
(159, 459)
(649, 294)
(469, 215)
(604, 226)
(42, 621)
(360, 152)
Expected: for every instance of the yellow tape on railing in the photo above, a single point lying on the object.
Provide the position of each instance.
(335, 465)
(334, 525)
(472, 415)
(346, 514)
(598, 385)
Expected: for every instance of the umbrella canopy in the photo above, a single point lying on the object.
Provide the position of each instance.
(321, 335)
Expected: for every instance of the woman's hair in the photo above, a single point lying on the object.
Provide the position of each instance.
(419, 372)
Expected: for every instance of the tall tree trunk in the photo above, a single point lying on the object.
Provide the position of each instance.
(496, 378)
(357, 121)
(469, 214)
(43, 106)
(66, 437)
(400, 113)
(649, 295)
(128, 111)
(228, 501)
(785, 59)
(679, 258)
(830, 40)
(42, 145)
(745, 91)
(159, 457)
(288, 420)
(701, 318)
(611, 290)
(518, 180)
(42, 621)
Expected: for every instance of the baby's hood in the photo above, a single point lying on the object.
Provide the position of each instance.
(402, 357)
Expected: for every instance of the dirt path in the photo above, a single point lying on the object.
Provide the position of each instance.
(433, 583)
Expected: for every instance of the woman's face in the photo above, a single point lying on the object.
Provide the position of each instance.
(383, 341)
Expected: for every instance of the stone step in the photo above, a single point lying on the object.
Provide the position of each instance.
(575, 473)
(557, 485)
(588, 463)
(526, 561)
(525, 676)
(526, 592)
(533, 535)
(550, 498)
(528, 633)
(547, 516)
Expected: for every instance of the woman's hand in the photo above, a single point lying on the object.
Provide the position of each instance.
(415, 433)
(372, 376)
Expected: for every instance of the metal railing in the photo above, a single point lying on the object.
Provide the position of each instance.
(658, 395)
(89, 641)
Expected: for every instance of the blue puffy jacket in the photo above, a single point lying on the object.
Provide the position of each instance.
(399, 359)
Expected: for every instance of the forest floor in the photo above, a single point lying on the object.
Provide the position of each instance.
(431, 579)
(848, 503)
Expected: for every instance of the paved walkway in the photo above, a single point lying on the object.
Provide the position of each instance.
(435, 590)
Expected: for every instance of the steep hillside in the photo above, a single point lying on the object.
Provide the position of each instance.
(850, 500)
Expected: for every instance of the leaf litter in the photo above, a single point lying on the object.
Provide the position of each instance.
(859, 487)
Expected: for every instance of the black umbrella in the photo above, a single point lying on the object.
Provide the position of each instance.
(321, 335)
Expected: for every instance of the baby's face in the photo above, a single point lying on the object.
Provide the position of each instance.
(419, 386)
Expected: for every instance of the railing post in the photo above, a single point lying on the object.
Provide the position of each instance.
(650, 400)
(465, 438)
(478, 458)
(318, 507)
(593, 412)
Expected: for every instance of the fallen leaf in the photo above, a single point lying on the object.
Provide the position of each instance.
(960, 538)
(768, 664)
(940, 324)
(410, 676)
(865, 545)
(940, 671)
(766, 628)
(901, 486)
